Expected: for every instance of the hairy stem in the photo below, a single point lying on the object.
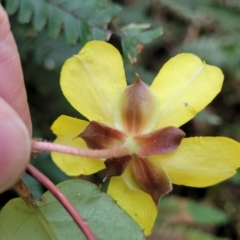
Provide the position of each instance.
(34, 172)
(38, 146)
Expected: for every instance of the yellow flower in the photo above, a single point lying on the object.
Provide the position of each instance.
(146, 119)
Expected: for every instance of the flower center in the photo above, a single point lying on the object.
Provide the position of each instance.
(134, 147)
(136, 113)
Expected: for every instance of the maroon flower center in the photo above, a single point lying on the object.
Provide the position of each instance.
(135, 116)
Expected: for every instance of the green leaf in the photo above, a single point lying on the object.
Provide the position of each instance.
(136, 12)
(134, 30)
(12, 6)
(105, 15)
(55, 21)
(25, 11)
(17, 221)
(102, 214)
(206, 215)
(85, 8)
(99, 34)
(72, 31)
(150, 35)
(40, 14)
(134, 34)
(130, 49)
(85, 33)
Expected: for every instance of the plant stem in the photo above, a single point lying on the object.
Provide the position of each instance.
(34, 172)
(38, 146)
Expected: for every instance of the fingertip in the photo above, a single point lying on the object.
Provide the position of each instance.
(15, 146)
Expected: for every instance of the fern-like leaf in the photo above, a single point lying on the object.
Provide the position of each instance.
(78, 18)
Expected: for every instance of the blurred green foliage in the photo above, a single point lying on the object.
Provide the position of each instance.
(181, 218)
(48, 32)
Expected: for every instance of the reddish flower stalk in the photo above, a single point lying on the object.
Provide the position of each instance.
(63, 200)
(38, 146)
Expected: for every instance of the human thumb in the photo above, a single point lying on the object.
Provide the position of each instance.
(15, 145)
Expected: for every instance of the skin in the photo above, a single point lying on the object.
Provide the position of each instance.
(15, 122)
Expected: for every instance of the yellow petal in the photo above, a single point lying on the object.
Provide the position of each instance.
(138, 204)
(91, 80)
(66, 129)
(185, 85)
(201, 161)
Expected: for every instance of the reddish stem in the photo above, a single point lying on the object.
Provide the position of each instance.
(63, 200)
(38, 146)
